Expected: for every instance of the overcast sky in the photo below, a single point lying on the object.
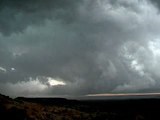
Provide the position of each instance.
(79, 47)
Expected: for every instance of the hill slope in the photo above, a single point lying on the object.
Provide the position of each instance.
(63, 109)
(23, 110)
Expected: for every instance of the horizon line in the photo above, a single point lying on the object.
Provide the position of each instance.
(121, 94)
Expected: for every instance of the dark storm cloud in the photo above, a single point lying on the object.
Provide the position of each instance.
(16, 15)
(92, 46)
(156, 2)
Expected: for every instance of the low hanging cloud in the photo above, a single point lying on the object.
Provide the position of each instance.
(91, 47)
(31, 87)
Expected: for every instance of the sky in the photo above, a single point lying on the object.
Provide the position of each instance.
(79, 47)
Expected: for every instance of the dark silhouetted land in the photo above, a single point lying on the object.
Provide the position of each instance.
(64, 109)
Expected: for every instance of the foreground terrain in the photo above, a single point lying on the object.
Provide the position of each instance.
(63, 109)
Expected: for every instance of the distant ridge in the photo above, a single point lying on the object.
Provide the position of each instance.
(124, 94)
(22, 108)
(48, 101)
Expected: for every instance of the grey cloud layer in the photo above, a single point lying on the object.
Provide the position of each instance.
(16, 15)
(94, 46)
